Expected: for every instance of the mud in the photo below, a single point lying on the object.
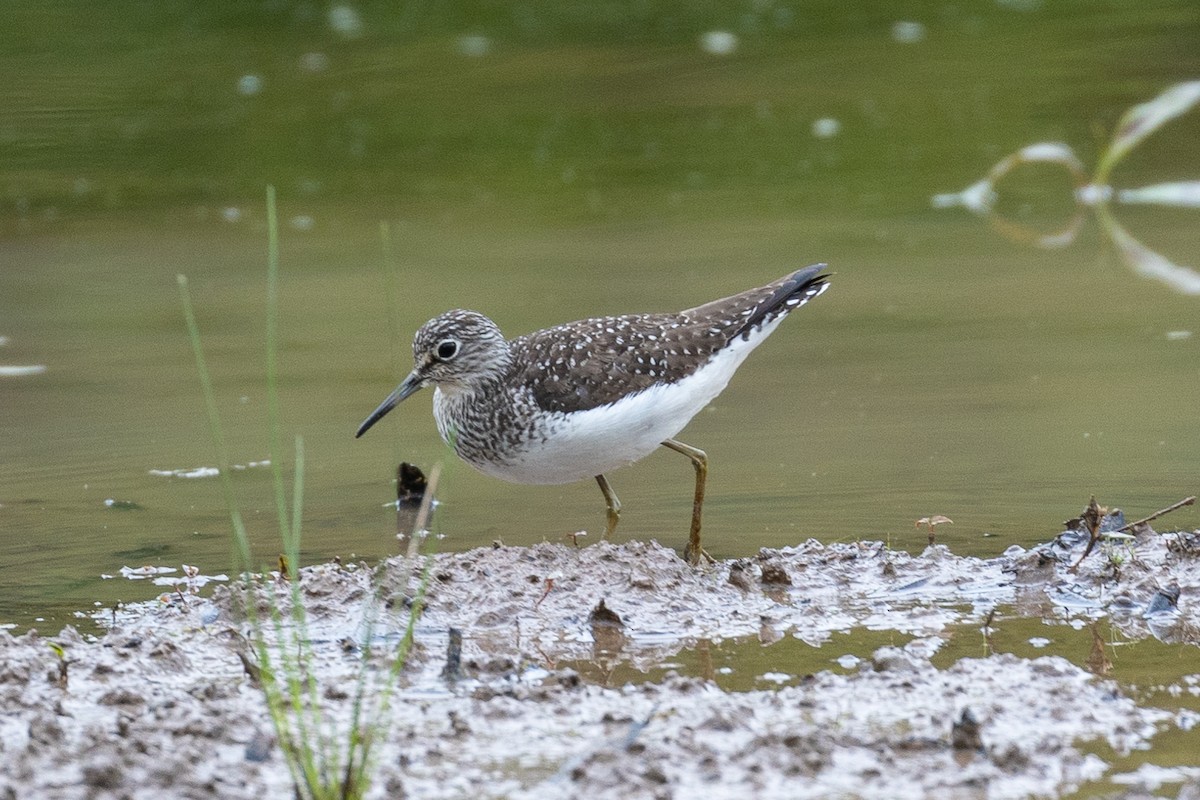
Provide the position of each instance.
(160, 705)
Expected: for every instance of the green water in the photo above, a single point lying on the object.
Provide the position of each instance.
(542, 162)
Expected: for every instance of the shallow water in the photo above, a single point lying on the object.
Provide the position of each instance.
(555, 164)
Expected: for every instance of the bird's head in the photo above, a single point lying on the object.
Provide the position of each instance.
(455, 351)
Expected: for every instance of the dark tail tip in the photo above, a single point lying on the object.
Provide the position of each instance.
(793, 292)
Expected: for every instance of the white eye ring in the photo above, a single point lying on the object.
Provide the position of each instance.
(447, 349)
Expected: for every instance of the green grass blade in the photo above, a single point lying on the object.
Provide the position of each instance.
(241, 540)
(298, 492)
(273, 416)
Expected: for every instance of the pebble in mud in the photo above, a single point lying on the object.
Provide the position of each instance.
(741, 575)
(773, 573)
(103, 772)
(965, 732)
(258, 749)
(894, 659)
(1033, 568)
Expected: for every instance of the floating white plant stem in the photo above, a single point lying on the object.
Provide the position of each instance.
(1183, 194)
(21, 371)
(1143, 120)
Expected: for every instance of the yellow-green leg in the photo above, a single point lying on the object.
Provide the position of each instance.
(694, 553)
(614, 505)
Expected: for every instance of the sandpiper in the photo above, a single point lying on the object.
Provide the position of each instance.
(579, 400)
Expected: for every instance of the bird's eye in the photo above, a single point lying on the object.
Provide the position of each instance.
(447, 349)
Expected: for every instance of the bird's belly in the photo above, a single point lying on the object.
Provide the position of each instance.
(585, 444)
(582, 444)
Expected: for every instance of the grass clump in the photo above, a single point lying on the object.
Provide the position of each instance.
(330, 755)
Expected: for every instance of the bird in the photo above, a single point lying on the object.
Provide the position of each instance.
(582, 399)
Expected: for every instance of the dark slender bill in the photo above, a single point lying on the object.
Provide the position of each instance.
(411, 384)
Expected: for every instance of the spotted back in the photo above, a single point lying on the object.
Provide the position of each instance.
(594, 362)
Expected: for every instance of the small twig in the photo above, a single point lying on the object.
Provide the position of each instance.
(1187, 501)
(1091, 519)
(252, 670)
(453, 669)
(549, 588)
(989, 648)
(551, 663)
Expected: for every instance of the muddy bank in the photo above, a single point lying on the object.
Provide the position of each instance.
(161, 705)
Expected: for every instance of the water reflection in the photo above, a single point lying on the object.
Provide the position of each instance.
(1097, 193)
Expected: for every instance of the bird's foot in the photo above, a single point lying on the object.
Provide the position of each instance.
(697, 556)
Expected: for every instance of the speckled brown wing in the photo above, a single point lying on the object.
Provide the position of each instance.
(594, 362)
